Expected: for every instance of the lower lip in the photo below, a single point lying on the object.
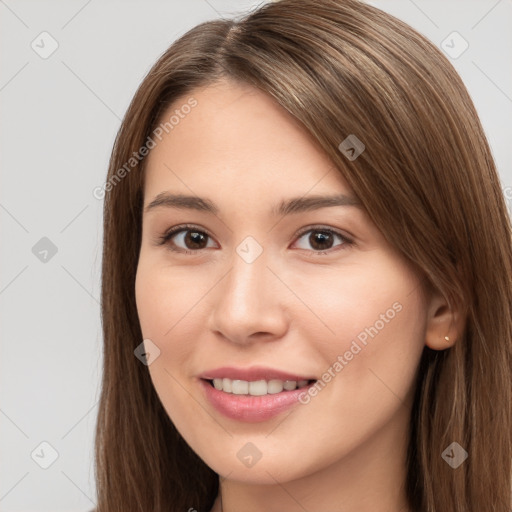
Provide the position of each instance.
(251, 408)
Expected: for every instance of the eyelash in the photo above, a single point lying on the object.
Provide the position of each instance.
(167, 236)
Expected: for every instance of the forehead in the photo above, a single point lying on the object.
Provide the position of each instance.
(237, 138)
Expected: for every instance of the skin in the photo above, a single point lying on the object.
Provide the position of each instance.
(291, 309)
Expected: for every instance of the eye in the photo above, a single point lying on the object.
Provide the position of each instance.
(189, 239)
(322, 239)
(185, 238)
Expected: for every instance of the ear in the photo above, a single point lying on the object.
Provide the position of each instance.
(445, 324)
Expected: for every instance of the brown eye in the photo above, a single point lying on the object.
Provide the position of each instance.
(186, 239)
(194, 239)
(321, 239)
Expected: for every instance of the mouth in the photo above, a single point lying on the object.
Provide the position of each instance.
(255, 401)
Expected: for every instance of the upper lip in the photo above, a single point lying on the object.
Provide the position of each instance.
(251, 374)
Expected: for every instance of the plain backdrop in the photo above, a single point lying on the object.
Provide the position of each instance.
(60, 114)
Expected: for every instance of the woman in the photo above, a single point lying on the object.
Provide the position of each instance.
(306, 290)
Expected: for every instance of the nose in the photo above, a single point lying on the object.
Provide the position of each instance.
(248, 303)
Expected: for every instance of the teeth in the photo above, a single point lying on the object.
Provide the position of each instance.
(257, 388)
(227, 385)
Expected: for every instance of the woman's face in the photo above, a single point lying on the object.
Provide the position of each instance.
(314, 290)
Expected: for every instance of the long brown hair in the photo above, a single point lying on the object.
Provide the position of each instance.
(426, 178)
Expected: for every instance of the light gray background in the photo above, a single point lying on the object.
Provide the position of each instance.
(59, 119)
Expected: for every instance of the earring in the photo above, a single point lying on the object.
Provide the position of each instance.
(447, 338)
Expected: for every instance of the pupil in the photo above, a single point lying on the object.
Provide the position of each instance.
(320, 236)
(194, 237)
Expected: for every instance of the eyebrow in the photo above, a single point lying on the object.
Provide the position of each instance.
(285, 207)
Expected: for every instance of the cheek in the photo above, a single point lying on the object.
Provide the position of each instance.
(167, 305)
(366, 332)
(166, 299)
(172, 307)
(367, 323)
(342, 302)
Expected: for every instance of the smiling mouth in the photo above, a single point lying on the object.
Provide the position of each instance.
(257, 388)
